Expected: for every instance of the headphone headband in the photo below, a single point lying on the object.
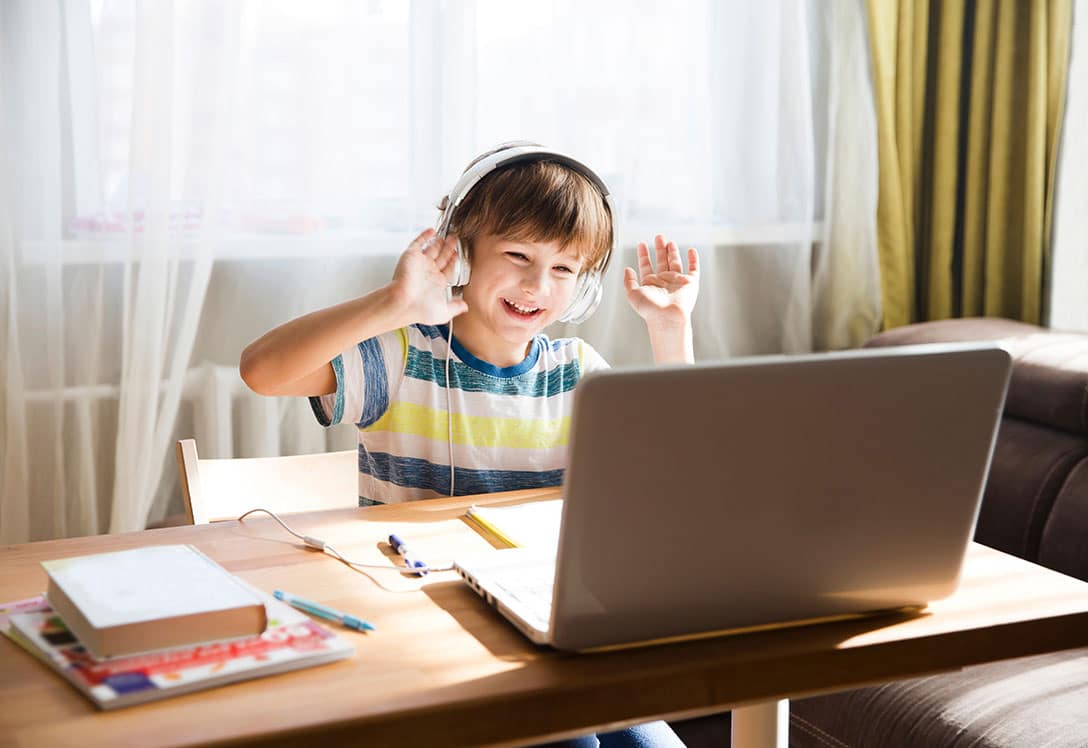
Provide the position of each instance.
(507, 155)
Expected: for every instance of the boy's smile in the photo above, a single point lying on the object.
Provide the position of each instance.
(516, 289)
(522, 311)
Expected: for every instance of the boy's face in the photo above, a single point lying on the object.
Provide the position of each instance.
(515, 290)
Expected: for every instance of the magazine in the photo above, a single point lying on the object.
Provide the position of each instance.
(29, 605)
(291, 641)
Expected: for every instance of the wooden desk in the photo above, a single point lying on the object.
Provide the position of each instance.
(444, 669)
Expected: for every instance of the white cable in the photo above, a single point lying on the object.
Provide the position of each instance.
(321, 545)
(449, 410)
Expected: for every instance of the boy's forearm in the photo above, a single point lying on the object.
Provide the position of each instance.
(673, 344)
(298, 348)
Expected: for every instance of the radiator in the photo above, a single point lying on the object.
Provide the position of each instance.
(227, 419)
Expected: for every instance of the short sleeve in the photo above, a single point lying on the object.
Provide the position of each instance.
(366, 374)
(588, 358)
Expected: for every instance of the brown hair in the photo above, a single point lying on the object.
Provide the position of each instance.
(538, 201)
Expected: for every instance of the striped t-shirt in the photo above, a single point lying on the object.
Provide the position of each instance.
(510, 425)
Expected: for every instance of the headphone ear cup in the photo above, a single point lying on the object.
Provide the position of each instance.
(462, 272)
(586, 298)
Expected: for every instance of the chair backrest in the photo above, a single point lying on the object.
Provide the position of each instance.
(224, 489)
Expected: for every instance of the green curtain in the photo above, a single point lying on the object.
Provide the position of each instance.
(970, 97)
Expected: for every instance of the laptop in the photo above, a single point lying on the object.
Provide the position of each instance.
(758, 492)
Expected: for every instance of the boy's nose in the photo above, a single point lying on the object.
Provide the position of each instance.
(535, 283)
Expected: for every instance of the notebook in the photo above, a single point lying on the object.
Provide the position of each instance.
(534, 525)
(758, 492)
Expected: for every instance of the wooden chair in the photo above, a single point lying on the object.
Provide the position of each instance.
(225, 489)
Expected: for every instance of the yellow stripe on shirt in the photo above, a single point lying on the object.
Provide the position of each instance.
(480, 431)
(402, 336)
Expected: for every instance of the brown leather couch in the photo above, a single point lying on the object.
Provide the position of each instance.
(1036, 507)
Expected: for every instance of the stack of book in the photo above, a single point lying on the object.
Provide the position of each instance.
(138, 625)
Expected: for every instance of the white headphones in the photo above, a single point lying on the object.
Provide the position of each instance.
(587, 293)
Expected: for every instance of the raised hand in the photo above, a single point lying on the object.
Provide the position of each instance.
(664, 297)
(422, 277)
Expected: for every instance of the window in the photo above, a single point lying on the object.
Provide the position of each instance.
(335, 126)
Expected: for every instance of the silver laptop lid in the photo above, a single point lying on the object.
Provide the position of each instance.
(717, 496)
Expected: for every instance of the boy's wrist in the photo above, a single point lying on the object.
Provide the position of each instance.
(669, 322)
(396, 306)
(672, 341)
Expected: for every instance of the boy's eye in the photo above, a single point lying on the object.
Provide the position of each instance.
(563, 269)
(517, 255)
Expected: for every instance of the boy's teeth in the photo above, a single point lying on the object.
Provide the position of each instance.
(522, 309)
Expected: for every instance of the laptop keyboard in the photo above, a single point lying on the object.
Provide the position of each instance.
(531, 588)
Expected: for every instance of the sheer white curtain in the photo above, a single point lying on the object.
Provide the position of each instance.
(300, 146)
(101, 308)
(1069, 270)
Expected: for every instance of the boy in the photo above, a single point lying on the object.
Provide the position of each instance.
(486, 408)
(529, 230)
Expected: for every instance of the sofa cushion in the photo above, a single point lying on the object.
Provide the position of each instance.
(1028, 470)
(1064, 544)
(954, 331)
(1049, 383)
(1010, 704)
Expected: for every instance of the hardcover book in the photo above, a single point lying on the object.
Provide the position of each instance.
(150, 598)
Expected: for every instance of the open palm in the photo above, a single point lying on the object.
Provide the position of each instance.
(667, 294)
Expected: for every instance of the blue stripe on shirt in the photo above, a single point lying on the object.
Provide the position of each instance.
(422, 365)
(376, 392)
(411, 472)
(319, 410)
(434, 331)
(338, 409)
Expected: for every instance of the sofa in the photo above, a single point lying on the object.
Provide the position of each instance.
(1035, 506)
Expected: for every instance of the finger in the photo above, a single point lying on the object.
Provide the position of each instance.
(447, 248)
(434, 244)
(630, 280)
(693, 261)
(644, 266)
(421, 241)
(662, 253)
(446, 260)
(674, 258)
(451, 262)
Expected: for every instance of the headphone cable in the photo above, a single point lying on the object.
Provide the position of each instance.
(321, 545)
(449, 409)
